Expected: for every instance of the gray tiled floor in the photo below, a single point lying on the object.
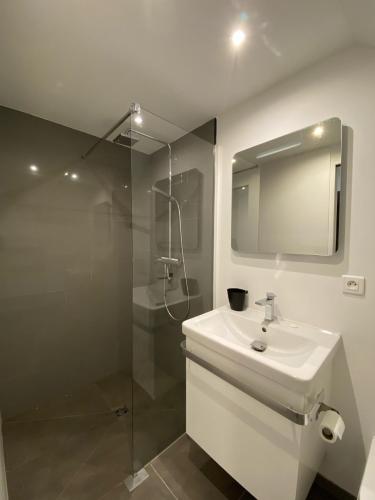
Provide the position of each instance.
(72, 447)
(191, 474)
(75, 448)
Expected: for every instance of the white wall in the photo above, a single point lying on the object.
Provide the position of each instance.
(309, 288)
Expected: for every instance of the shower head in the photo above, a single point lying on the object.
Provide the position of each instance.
(134, 108)
(148, 136)
(125, 139)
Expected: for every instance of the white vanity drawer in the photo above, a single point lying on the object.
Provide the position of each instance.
(270, 456)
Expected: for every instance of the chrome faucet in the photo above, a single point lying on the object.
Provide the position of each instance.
(269, 303)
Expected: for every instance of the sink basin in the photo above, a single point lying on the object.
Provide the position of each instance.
(295, 352)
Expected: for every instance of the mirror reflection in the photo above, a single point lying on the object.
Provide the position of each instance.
(286, 193)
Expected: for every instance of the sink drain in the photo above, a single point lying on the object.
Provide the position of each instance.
(259, 346)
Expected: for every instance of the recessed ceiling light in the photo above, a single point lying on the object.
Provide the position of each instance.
(66, 174)
(34, 168)
(74, 177)
(238, 37)
(234, 160)
(138, 119)
(318, 131)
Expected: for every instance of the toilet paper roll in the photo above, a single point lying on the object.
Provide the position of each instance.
(331, 426)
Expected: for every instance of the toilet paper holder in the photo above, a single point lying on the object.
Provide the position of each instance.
(331, 427)
(320, 407)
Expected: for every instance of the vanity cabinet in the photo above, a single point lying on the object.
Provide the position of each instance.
(271, 457)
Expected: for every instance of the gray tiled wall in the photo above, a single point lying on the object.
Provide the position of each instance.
(65, 261)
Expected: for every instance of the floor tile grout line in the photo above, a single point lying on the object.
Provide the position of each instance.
(164, 482)
(121, 483)
(69, 482)
(165, 449)
(110, 410)
(83, 463)
(48, 419)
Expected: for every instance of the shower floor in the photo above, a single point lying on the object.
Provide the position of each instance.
(77, 448)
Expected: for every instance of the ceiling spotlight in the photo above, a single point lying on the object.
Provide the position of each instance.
(66, 174)
(238, 37)
(34, 168)
(234, 160)
(318, 131)
(138, 119)
(74, 176)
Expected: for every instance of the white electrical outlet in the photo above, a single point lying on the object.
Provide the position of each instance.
(353, 284)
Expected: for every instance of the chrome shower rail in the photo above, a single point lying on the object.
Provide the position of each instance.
(294, 416)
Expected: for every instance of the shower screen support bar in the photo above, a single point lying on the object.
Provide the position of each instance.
(134, 108)
(294, 416)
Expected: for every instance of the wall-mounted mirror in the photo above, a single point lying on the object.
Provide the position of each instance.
(286, 193)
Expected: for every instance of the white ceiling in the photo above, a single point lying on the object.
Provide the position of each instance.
(81, 62)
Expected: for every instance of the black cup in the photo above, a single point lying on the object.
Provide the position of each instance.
(236, 298)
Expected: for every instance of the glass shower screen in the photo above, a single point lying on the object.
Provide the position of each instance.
(172, 230)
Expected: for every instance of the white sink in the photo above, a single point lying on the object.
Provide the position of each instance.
(296, 353)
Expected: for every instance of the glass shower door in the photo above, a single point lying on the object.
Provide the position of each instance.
(172, 229)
